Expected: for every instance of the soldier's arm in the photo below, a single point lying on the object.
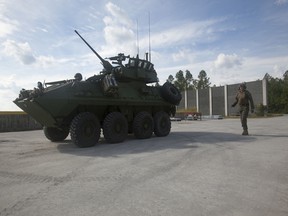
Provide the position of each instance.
(236, 101)
(251, 101)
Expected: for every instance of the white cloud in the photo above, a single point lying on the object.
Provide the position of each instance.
(183, 55)
(186, 33)
(281, 2)
(118, 31)
(21, 51)
(7, 26)
(118, 15)
(8, 92)
(24, 54)
(228, 61)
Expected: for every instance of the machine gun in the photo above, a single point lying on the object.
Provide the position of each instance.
(119, 58)
(107, 66)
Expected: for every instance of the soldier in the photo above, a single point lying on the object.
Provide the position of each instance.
(243, 99)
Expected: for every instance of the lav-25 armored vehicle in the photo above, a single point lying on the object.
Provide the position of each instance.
(118, 101)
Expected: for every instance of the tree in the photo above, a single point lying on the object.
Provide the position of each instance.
(268, 77)
(285, 92)
(189, 80)
(182, 82)
(203, 81)
(274, 91)
(278, 94)
(285, 75)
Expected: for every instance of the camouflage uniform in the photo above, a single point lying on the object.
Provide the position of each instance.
(243, 99)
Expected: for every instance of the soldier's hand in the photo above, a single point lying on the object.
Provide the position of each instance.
(233, 105)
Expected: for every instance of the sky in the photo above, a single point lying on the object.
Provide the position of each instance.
(233, 41)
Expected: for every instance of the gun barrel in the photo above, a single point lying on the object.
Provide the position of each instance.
(105, 63)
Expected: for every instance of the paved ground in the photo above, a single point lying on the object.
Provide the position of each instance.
(201, 168)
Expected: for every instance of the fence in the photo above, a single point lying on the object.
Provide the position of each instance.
(218, 100)
(17, 121)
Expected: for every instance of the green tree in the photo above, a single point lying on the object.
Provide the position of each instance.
(183, 82)
(285, 92)
(285, 76)
(189, 80)
(180, 80)
(203, 81)
(268, 77)
(278, 93)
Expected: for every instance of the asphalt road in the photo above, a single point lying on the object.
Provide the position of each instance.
(202, 168)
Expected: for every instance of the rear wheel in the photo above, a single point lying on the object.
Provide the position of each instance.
(162, 124)
(85, 130)
(143, 125)
(55, 134)
(115, 127)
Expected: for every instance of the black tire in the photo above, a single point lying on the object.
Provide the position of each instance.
(143, 125)
(170, 93)
(115, 127)
(162, 124)
(85, 130)
(55, 134)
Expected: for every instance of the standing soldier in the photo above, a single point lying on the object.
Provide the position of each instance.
(243, 99)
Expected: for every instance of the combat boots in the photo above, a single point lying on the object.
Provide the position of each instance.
(245, 132)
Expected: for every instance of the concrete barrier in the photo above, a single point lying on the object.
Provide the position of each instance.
(17, 121)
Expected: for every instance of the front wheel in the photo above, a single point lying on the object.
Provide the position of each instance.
(85, 130)
(55, 134)
(162, 124)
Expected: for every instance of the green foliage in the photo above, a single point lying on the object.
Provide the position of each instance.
(278, 93)
(182, 82)
(260, 109)
(186, 81)
(203, 81)
(189, 80)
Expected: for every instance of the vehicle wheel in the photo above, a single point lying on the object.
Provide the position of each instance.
(162, 124)
(55, 134)
(85, 130)
(115, 127)
(170, 93)
(143, 125)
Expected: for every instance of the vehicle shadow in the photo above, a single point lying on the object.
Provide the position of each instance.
(175, 140)
(270, 135)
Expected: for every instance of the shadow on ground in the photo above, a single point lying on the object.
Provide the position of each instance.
(175, 140)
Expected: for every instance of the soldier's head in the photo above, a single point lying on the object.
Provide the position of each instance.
(78, 77)
(242, 86)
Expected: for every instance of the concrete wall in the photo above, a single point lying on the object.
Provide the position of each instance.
(17, 122)
(191, 95)
(218, 100)
(203, 97)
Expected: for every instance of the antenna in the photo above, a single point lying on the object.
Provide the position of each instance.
(149, 37)
(137, 39)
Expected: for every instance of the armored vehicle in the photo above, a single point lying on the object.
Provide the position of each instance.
(119, 100)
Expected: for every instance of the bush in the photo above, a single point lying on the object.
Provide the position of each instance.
(260, 110)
